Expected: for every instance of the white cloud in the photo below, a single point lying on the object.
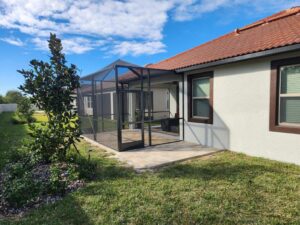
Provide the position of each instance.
(190, 9)
(135, 24)
(138, 48)
(13, 41)
(128, 19)
(187, 10)
(76, 45)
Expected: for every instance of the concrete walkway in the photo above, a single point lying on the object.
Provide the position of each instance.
(160, 155)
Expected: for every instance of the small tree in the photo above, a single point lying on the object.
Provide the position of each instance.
(51, 86)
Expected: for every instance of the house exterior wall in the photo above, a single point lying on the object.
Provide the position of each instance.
(173, 101)
(164, 94)
(87, 110)
(160, 102)
(241, 113)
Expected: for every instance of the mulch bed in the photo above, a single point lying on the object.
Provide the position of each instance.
(40, 173)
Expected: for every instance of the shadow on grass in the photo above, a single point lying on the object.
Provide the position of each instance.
(114, 172)
(66, 211)
(229, 171)
(105, 168)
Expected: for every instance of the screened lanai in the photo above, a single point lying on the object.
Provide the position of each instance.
(125, 106)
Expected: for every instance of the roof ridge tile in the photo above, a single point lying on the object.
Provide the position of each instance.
(283, 29)
(274, 17)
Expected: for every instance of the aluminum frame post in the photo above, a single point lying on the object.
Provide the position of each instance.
(102, 116)
(119, 127)
(142, 107)
(149, 108)
(95, 122)
(122, 106)
(182, 96)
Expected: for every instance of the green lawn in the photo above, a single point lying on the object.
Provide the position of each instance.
(87, 124)
(10, 136)
(228, 188)
(40, 117)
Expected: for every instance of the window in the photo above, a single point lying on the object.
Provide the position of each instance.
(289, 95)
(201, 98)
(285, 96)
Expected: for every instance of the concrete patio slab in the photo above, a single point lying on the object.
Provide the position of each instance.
(110, 138)
(153, 157)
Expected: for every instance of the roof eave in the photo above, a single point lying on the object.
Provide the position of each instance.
(260, 54)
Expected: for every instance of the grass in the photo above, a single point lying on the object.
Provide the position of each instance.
(40, 117)
(13, 135)
(87, 124)
(228, 188)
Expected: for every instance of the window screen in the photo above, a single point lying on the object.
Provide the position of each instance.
(200, 97)
(289, 95)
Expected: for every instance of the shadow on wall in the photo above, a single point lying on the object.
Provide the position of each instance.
(213, 135)
(231, 80)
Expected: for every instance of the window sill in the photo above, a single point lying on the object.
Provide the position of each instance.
(198, 120)
(285, 129)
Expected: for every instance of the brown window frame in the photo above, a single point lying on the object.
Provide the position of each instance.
(274, 96)
(190, 79)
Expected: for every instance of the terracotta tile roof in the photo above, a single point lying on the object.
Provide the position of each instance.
(278, 30)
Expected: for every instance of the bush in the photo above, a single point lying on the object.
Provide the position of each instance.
(24, 183)
(18, 185)
(17, 120)
(47, 143)
(86, 168)
(62, 175)
(24, 110)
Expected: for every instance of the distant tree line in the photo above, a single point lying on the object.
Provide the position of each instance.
(11, 97)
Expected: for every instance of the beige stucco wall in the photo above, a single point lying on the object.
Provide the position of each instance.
(241, 113)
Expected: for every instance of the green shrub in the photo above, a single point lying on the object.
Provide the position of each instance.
(25, 111)
(47, 143)
(21, 190)
(61, 176)
(18, 186)
(23, 182)
(17, 120)
(85, 167)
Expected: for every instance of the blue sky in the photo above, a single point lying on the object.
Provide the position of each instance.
(95, 33)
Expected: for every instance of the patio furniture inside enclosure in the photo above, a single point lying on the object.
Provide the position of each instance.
(125, 106)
